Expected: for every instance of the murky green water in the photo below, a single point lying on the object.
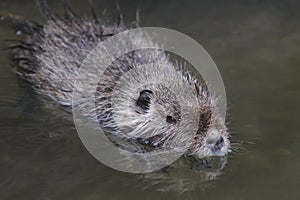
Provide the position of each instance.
(256, 45)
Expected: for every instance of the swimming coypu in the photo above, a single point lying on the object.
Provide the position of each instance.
(147, 106)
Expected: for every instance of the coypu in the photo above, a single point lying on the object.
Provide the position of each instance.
(147, 106)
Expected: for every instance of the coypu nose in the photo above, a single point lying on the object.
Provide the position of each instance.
(219, 144)
(220, 141)
(215, 139)
(213, 136)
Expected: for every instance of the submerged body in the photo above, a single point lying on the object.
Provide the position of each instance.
(147, 101)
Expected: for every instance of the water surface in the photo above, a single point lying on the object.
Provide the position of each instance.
(256, 45)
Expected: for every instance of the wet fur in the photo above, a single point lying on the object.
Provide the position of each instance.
(51, 55)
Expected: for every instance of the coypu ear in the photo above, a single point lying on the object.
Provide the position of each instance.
(144, 99)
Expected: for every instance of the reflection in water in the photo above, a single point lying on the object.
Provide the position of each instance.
(186, 174)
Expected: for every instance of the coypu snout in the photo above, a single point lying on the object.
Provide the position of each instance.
(215, 139)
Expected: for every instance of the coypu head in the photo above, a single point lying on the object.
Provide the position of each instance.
(162, 108)
(159, 106)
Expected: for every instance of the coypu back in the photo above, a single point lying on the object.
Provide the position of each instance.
(51, 54)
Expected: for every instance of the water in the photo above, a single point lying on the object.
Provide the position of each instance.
(256, 45)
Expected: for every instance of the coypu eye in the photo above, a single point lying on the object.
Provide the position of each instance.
(144, 99)
(171, 120)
